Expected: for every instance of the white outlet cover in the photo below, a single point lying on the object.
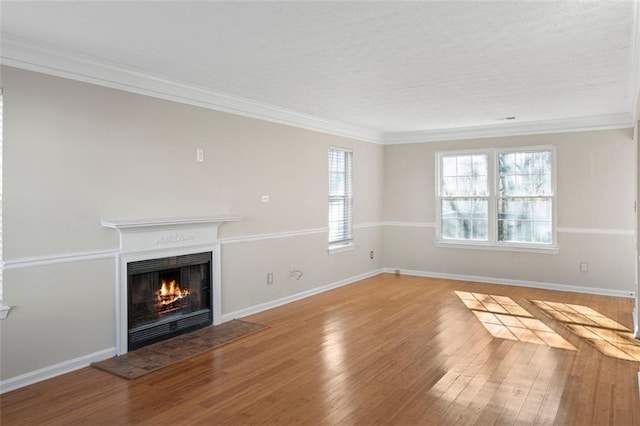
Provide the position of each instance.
(265, 198)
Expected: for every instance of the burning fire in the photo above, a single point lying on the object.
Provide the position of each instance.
(170, 293)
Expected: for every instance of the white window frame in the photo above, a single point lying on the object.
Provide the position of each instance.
(492, 242)
(345, 243)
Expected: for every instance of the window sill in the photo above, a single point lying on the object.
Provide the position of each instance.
(551, 249)
(338, 248)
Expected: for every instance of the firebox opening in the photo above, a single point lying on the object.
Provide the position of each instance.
(168, 297)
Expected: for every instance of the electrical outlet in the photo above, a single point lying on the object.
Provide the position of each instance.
(584, 267)
(269, 277)
(371, 254)
(200, 155)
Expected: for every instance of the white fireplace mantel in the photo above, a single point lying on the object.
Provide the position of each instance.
(153, 234)
(153, 238)
(161, 222)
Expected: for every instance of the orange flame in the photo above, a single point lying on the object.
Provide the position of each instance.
(170, 293)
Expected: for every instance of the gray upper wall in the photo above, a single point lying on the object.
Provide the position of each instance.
(77, 153)
(595, 176)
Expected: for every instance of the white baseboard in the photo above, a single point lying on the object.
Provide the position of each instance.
(302, 295)
(54, 370)
(518, 283)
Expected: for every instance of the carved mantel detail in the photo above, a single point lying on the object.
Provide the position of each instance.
(174, 239)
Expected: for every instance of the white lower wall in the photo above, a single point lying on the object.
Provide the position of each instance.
(246, 264)
(610, 258)
(59, 312)
(63, 314)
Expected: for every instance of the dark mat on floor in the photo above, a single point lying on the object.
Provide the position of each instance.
(159, 355)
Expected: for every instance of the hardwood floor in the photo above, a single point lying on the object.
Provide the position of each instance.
(386, 350)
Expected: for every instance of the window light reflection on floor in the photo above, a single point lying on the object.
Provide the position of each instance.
(606, 335)
(505, 319)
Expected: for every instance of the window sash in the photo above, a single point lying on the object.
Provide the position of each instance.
(340, 196)
(527, 220)
(524, 173)
(464, 174)
(464, 196)
(464, 218)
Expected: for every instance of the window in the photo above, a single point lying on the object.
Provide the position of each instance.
(465, 197)
(500, 198)
(340, 198)
(524, 197)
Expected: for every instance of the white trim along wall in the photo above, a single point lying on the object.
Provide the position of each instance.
(112, 254)
(26, 55)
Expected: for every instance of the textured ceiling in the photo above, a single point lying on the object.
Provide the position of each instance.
(385, 66)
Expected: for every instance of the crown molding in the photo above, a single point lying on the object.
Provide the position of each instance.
(21, 54)
(576, 124)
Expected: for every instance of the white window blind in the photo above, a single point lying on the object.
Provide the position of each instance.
(340, 196)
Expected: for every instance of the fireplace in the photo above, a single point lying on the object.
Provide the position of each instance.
(182, 253)
(168, 296)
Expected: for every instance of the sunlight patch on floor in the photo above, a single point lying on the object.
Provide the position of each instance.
(505, 319)
(608, 336)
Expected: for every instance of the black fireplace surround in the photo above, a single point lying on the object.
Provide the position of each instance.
(167, 297)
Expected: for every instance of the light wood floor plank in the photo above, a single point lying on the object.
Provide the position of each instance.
(386, 350)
